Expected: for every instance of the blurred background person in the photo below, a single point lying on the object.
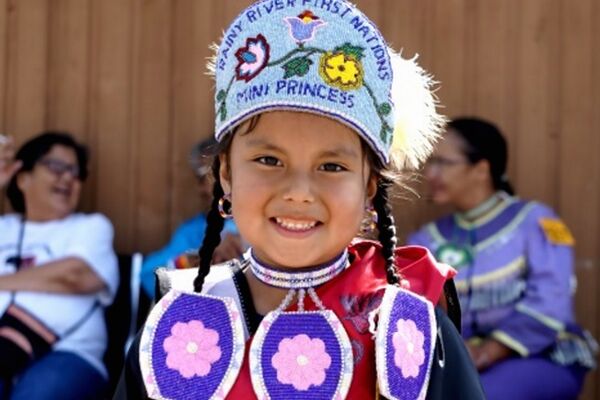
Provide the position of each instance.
(182, 249)
(58, 271)
(515, 262)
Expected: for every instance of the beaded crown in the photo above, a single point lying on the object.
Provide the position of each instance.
(327, 58)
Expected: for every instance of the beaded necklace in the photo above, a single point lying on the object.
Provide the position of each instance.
(300, 351)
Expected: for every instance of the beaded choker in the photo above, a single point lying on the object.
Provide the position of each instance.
(304, 279)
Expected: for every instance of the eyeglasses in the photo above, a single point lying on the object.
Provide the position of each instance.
(58, 167)
(441, 162)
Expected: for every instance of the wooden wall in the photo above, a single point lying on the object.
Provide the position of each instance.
(127, 77)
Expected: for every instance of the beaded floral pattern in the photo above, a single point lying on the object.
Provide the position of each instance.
(301, 355)
(301, 362)
(341, 70)
(304, 26)
(341, 67)
(408, 343)
(404, 344)
(252, 58)
(186, 355)
(192, 349)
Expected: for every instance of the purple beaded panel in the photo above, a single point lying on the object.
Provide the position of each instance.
(301, 355)
(192, 347)
(405, 343)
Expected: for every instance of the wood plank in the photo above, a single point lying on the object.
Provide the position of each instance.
(151, 118)
(404, 25)
(68, 65)
(449, 53)
(592, 390)
(67, 96)
(109, 113)
(193, 117)
(26, 78)
(579, 144)
(4, 38)
(538, 99)
(494, 85)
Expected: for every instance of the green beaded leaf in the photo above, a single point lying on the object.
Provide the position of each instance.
(298, 66)
(354, 51)
(223, 112)
(386, 133)
(385, 109)
(221, 95)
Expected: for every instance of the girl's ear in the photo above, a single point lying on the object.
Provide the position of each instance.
(372, 187)
(224, 173)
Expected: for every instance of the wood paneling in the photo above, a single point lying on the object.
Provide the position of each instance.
(127, 77)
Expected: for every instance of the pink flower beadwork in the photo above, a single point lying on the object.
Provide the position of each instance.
(192, 349)
(252, 58)
(301, 362)
(409, 352)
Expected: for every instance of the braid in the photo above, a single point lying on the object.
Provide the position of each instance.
(387, 230)
(212, 235)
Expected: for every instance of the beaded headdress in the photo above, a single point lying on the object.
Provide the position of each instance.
(327, 58)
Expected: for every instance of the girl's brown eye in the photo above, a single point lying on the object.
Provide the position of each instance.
(331, 167)
(268, 160)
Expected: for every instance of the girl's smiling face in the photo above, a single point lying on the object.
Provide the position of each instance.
(299, 185)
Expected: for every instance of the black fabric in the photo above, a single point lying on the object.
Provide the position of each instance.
(454, 312)
(453, 375)
(251, 317)
(14, 358)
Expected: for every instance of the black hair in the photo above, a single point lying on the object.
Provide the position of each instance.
(212, 234)
(33, 151)
(386, 229)
(484, 141)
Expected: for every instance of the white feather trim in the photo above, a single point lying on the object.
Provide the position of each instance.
(417, 124)
(211, 61)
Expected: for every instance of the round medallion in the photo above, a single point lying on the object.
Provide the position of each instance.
(192, 347)
(301, 355)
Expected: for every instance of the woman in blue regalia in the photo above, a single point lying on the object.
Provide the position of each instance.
(515, 263)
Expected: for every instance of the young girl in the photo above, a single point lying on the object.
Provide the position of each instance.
(313, 114)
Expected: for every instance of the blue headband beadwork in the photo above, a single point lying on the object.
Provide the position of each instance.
(324, 57)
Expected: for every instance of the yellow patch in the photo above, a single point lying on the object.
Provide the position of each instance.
(557, 232)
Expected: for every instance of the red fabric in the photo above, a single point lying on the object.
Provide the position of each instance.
(364, 281)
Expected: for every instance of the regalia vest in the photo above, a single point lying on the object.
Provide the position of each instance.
(372, 338)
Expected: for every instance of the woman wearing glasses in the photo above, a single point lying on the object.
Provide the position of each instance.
(57, 272)
(515, 263)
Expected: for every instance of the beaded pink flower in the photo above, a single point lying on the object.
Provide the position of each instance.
(192, 349)
(301, 362)
(252, 58)
(408, 343)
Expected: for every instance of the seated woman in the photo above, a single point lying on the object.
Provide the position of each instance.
(58, 271)
(515, 263)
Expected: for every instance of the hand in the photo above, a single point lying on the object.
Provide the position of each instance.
(229, 248)
(8, 165)
(487, 353)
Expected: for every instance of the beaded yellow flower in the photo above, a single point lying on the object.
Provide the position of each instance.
(341, 70)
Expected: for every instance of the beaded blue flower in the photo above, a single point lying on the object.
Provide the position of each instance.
(304, 26)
